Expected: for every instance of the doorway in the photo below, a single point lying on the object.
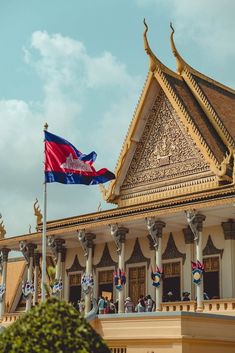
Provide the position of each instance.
(211, 277)
(137, 283)
(105, 284)
(74, 288)
(171, 282)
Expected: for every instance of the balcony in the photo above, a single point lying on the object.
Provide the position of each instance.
(170, 332)
(213, 306)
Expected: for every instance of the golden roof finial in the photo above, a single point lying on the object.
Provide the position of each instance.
(37, 212)
(148, 50)
(2, 229)
(179, 61)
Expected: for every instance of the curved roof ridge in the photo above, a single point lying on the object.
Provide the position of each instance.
(154, 61)
(182, 64)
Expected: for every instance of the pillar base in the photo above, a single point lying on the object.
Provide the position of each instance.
(199, 310)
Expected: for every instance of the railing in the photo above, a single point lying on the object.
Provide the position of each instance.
(9, 318)
(223, 306)
(118, 350)
(179, 306)
(215, 306)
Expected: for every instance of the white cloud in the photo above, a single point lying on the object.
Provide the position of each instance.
(70, 79)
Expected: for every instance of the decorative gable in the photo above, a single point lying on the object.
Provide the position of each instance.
(166, 154)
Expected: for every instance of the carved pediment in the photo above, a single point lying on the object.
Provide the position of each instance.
(76, 266)
(165, 150)
(172, 251)
(210, 248)
(106, 259)
(137, 255)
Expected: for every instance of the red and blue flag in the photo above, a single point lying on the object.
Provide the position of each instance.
(65, 164)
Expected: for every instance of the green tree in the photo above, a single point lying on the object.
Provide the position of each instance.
(52, 327)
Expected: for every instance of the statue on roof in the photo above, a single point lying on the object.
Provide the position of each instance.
(2, 229)
(37, 212)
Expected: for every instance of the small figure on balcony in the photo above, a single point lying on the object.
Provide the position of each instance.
(185, 296)
(128, 305)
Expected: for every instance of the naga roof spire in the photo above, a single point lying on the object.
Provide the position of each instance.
(179, 60)
(152, 57)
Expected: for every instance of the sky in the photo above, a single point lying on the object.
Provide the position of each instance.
(80, 66)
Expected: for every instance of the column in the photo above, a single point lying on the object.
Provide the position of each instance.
(37, 257)
(198, 242)
(187, 273)
(89, 244)
(119, 236)
(63, 257)
(30, 249)
(59, 245)
(228, 261)
(121, 233)
(155, 230)
(5, 252)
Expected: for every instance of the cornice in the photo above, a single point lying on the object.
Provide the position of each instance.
(167, 191)
(159, 208)
(222, 196)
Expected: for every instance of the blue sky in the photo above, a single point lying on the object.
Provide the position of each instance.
(80, 66)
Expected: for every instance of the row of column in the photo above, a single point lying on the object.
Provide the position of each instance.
(30, 287)
(155, 229)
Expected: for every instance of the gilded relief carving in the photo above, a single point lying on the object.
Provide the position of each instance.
(165, 150)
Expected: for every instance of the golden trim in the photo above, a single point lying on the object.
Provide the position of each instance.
(180, 63)
(165, 192)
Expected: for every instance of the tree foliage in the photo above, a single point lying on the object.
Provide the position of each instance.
(52, 327)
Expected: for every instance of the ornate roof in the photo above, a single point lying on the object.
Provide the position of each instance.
(202, 109)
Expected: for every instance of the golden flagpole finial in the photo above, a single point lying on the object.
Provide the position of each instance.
(45, 127)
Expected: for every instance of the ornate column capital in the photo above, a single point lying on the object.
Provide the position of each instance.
(188, 235)
(27, 249)
(199, 219)
(195, 222)
(63, 254)
(119, 235)
(59, 245)
(37, 257)
(155, 231)
(86, 240)
(229, 229)
(56, 245)
(5, 252)
(90, 237)
(30, 248)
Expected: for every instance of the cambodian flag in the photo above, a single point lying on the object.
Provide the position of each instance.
(65, 164)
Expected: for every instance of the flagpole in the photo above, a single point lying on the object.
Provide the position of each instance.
(44, 240)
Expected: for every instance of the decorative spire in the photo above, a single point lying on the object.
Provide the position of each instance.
(152, 57)
(179, 60)
(37, 212)
(2, 229)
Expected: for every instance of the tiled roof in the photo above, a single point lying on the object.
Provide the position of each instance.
(199, 118)
(222, 100)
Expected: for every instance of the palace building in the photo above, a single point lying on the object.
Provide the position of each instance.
(172, 227)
